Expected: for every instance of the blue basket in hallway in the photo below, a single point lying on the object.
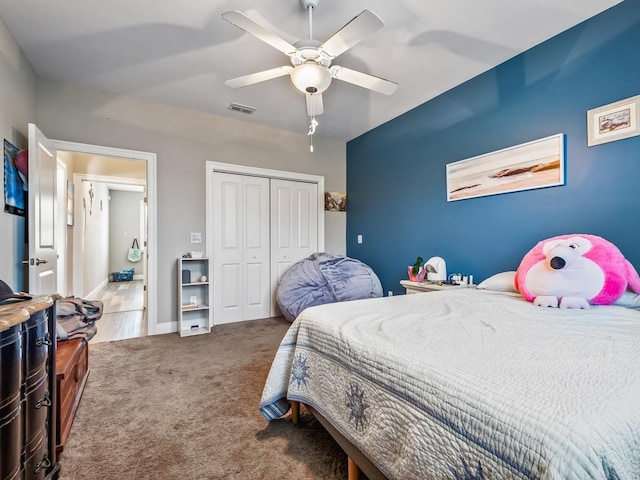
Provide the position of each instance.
(123, 275)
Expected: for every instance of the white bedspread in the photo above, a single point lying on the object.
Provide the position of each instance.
(470, 384)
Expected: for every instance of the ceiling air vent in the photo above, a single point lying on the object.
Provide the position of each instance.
(236, 107)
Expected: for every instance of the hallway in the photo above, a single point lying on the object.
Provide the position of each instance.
(123, 315)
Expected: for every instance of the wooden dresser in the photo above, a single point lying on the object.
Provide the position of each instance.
(28, 390)
(72, 370)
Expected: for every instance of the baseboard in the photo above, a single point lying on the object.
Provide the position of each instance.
(94, 292)
(166, 327)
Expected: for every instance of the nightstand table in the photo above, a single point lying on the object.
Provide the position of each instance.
(419, 287)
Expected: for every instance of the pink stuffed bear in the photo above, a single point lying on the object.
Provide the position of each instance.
(576, 271)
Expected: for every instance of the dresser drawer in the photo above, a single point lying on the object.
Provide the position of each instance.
(27, 386)
(72, 370)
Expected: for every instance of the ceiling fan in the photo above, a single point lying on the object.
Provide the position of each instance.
(311, 71)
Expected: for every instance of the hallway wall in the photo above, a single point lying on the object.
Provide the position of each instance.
(94, 217)
(124, 226)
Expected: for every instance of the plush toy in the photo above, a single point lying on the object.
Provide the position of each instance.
(574, 271)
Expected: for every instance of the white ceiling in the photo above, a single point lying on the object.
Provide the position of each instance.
(181, 52)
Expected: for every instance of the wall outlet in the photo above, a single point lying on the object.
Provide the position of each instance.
(193, 300)
(389, 293)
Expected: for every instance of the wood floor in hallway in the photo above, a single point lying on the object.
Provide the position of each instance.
(123, 315)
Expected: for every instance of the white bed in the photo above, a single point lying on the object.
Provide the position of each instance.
(469, 384)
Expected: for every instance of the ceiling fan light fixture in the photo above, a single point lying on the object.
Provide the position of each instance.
(311, 78)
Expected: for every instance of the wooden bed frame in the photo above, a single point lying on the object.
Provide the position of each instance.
(357, 462)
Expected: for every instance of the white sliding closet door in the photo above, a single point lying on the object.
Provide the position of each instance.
(241, 280)
(294, 227)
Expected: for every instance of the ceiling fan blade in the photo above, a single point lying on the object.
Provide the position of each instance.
(243, 22)
(314, 104)
(365, 80)
(352, 33)
(258, 77)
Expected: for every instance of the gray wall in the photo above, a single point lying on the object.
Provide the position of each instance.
(183, 141)
(94, 216)
(18, 87)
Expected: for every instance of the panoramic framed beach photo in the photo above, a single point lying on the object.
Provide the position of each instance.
(536, 164)
(614, 121)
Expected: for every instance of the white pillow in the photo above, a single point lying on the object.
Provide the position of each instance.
(629, 299)
(501, 282)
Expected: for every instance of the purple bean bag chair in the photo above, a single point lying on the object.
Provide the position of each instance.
(325, 278)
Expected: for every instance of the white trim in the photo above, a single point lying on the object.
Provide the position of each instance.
(95, 291)
(109, 179)
(166, 327)
(61, 233)
(151, 249)
(265, 172)
(104, 150)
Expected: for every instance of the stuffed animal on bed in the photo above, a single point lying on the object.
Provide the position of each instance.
(575, 271)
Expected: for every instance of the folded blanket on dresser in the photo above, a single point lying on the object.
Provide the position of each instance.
(470, 384)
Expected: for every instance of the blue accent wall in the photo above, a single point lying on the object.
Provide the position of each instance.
(396, 181)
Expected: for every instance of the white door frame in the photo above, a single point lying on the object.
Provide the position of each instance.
(151, 249)
(61, 227)
(78, 233)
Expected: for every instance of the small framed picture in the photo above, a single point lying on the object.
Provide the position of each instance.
(335, 201)
(615, 121)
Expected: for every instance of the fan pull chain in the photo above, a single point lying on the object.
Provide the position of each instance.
(312, 130)
(312, 126)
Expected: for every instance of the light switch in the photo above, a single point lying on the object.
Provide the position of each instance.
(195, 237)
(359, 238)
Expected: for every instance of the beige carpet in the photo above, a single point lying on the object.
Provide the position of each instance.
(165, 407)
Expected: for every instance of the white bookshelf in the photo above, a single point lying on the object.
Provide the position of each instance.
(194, 296)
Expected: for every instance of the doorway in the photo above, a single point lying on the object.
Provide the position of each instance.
(110, 221)
(107, 169)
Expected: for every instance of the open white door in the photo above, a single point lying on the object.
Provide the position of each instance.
(42, 214)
